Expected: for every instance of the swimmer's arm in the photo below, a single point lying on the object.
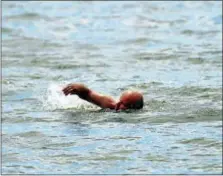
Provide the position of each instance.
(93, 97)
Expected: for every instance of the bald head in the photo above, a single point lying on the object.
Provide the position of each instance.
(130, 100)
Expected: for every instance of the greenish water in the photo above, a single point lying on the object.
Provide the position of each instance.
(170, 51)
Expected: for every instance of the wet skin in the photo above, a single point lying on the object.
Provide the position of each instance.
(128, 100)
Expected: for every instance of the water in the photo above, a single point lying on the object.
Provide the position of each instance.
(170, 51)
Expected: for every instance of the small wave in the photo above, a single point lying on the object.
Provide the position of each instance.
(6, 30)
(164, 54)
(31, 134)
(200, 141)
(196, 60)
(199, 33)
(26, 16)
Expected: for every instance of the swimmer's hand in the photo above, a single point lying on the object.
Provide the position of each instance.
(69, 89)
(77, 89)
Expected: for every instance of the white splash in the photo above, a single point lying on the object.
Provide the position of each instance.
(53, 99)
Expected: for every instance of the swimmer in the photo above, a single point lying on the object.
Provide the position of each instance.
(128, 99)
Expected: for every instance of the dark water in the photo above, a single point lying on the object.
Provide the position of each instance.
(170, 51)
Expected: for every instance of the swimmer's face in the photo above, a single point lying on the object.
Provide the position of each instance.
(130, 100)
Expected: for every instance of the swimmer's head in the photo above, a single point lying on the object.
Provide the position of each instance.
(130, 100)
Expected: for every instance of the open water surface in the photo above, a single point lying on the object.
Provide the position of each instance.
(170, 51)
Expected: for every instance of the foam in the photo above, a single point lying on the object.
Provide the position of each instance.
(53, 98)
